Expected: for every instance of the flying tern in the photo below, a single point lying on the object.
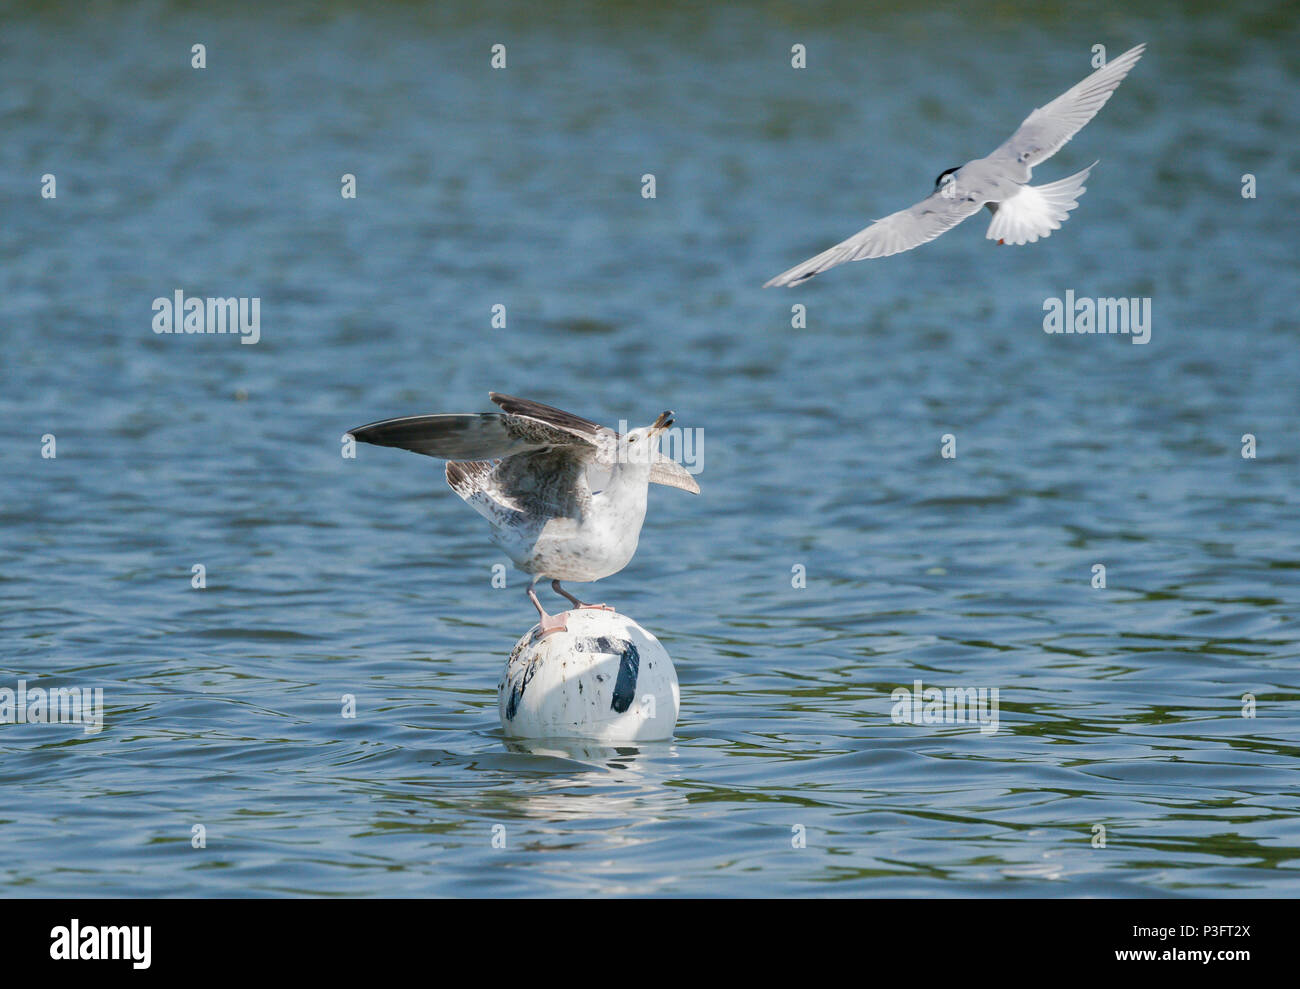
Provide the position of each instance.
(1021, 212)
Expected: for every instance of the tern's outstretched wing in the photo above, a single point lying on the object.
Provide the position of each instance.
(898, 232)
(1045, 131)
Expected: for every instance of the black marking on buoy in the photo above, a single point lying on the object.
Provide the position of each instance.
(512, 705)
(517, 690)
(629, 665)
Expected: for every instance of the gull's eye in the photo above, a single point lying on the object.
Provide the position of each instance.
(631, 439)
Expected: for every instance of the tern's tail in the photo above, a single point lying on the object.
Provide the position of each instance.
(1035, 211)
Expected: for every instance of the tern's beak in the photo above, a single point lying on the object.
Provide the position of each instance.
(661, 424)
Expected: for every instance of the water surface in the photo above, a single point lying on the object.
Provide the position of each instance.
(326, 576)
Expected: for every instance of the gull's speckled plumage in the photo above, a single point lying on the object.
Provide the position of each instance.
(528, 471)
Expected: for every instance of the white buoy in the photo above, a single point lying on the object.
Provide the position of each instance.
(604, 678)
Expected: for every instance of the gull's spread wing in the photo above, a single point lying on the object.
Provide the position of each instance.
(664, 470)
(486, 436)
(523, 427)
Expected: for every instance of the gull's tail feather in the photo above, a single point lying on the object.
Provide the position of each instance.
(1035, 211)
(450, 437)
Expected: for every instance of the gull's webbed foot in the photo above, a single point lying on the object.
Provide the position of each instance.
(553, 623)
(548, 623)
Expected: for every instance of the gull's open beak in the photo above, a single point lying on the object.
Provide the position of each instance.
(664, 421)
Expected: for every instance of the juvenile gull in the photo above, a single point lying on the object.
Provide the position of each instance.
(530, 470)
(1021, 213)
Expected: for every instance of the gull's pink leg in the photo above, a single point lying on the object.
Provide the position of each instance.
(550, 623)
(555, 586)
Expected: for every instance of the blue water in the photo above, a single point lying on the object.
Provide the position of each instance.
(1120, 707)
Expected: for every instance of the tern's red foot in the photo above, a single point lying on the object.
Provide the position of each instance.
(1001, 242)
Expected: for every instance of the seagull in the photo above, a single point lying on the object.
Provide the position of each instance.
(531, 470)
(1021, 212)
